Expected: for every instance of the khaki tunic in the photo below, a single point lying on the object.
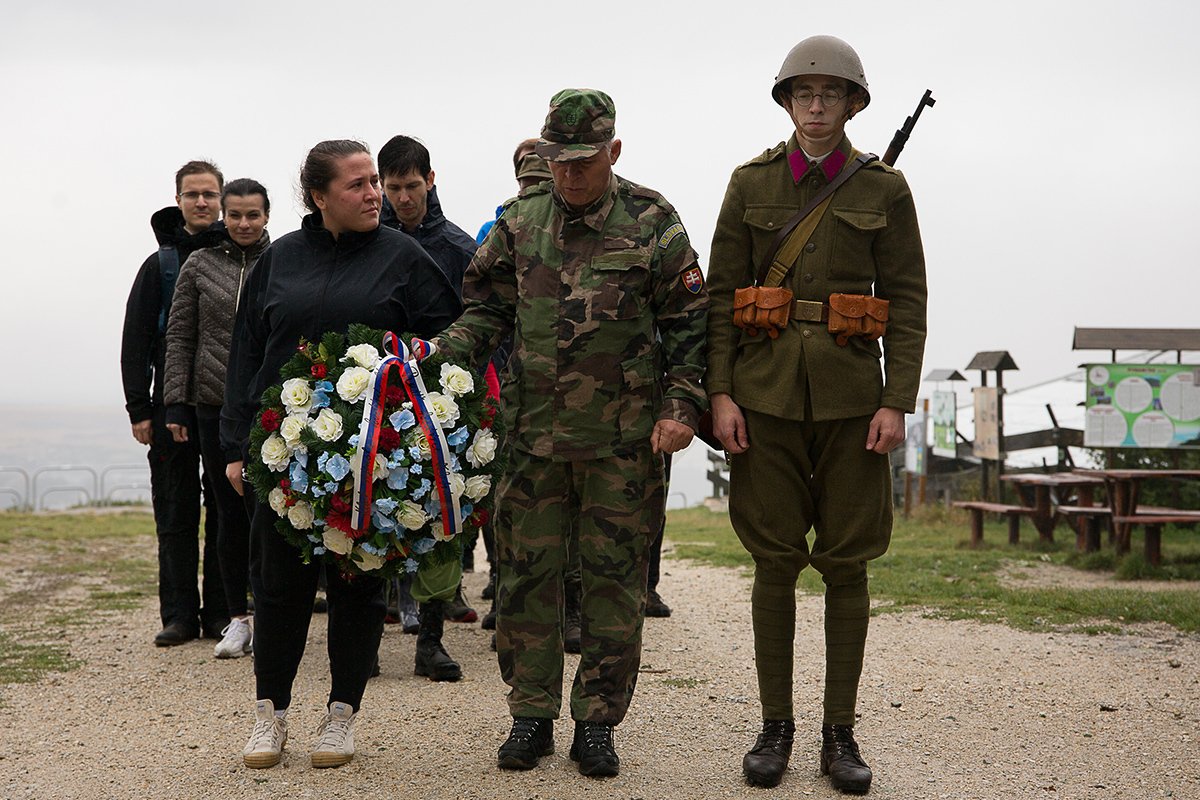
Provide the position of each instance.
(868, 240)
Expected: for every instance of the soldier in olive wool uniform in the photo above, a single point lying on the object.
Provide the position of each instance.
(597, 281)
(808, 421)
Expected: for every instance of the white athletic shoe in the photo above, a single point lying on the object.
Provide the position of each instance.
(267, 739)
(236, 640)
(335, 737)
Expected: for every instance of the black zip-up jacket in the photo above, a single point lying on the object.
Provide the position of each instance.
(308, 283)
(142, 346)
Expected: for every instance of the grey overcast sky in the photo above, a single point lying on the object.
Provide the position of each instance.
(1055, 179)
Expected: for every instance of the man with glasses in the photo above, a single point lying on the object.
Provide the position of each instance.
(808, 419)
(189, 225)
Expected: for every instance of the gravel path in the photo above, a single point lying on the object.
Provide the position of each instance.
(949, 710)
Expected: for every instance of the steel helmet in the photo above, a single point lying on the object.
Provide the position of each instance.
(822, 55)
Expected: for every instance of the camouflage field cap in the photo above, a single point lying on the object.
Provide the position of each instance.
(533, 166)
(579, 123)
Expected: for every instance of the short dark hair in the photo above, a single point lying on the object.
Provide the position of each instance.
(403, 154)
(244, 187)
(198, 167)
(320, 167)
(526, 146)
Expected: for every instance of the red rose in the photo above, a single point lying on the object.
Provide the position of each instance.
(338, 504)
(285, 484)
(480, 517)
(394, 396)
(271, 419)
(389, 439)
(339, 521)
(318, 371)
(290, 501)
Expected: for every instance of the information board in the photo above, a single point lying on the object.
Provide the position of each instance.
(987, 423)
(1142, 405)
(945, 423)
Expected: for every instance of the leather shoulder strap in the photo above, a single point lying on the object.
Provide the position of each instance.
(793, 236)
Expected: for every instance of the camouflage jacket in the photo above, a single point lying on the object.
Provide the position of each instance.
(608, 309)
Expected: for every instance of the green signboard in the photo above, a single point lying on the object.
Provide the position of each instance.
(1142, 405)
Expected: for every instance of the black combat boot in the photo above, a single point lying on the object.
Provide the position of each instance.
(572, 629)
(841, 761)
(766, 762)
(593, 749)
(530, 739)
(432, 659)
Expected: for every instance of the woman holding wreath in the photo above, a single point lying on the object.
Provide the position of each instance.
(340, 268)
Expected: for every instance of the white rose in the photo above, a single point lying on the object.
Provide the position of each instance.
(444, 409)
(278, 501)
(327, 426)
(456, 380)
(482, 449)
(419, 441)
(439, 532)
(275, 453)
(301, 516)
(337, 542)
(411, 515)
(290, 429)
(367, 561)
(457, 484)
(478, 486)
(381, 471)
(296, 396)
(353, 384)
(364, 355)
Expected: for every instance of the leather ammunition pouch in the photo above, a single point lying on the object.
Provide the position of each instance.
(857, 315)
(764, 308)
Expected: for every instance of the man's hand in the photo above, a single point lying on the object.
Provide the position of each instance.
(143, 432)
(178, 432)
(234, 473)
(670, 436)
(886, 431)
(729, 424)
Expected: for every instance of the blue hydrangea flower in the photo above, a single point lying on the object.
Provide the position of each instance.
(318, 551)
(316, 491)
(415, 452)
(423, 546)
(385, 505)
(433, 507)
(382, 522)
(410, 565)
(301, 457)
(298, 477)
(312, 537)
(373, 550)
(397, 478)
(322, 460)
(402, 420)
(423, 489)
(321, 394)
(353, 440)
(455, 464)
(459, 436)
(415, 469)
(466, 510)
(330, 487)
(337, 467)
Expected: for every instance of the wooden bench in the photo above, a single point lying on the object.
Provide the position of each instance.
(1152, 519)
(1087, 521)
(979, 507)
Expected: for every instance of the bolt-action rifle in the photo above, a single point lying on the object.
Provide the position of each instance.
(901, 137)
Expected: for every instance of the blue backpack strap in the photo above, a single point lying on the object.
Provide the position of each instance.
(168, 268)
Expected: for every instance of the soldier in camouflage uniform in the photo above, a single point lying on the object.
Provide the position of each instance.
(596, 279)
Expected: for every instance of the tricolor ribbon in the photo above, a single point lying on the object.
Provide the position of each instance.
(398, 359)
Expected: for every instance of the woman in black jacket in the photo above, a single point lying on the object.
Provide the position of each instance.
(198, 338)
(340, 268)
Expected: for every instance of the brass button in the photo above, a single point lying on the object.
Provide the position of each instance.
(809, 277)
(806, 333)
(770, 224)
(811, 247)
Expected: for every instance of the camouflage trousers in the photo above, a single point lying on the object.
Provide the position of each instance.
(617, 504)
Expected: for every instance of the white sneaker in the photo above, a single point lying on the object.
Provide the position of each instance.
(335, 737)
(236, 640)
(267, 739)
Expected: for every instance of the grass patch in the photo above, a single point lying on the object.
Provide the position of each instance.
(26, 662)
(931, 567)
(65, 528)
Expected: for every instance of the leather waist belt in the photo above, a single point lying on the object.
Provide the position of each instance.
(810, 311)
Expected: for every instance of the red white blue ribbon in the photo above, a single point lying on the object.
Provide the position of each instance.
(398, 358)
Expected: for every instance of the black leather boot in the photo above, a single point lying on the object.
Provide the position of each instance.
(530, 739)
(840, 760)
(572, 626)
(593, 749)
(432, 659)
(766, 762)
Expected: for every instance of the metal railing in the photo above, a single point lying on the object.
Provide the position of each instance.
(102, 488)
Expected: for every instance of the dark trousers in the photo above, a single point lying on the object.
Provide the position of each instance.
(175, 492)
(284, 588)
(233, 524)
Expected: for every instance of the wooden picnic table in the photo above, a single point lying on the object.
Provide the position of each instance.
(1123, 487)
(1044, 492)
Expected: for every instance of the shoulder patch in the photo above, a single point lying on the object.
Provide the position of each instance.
(669, 235)
(693, 280)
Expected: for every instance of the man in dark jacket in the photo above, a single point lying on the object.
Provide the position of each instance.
(411, 205)
(189, 225)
